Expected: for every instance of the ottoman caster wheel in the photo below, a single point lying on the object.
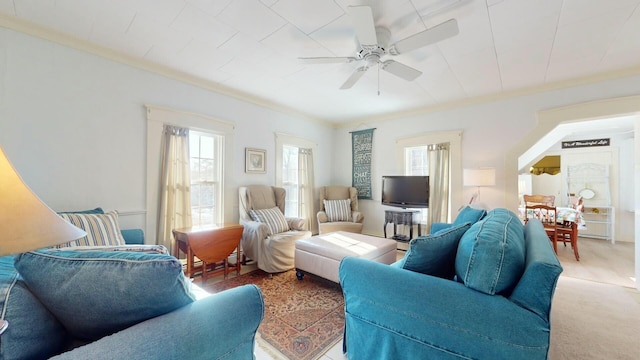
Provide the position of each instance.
(299, 274)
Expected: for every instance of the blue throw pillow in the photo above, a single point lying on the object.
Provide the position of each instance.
(33, 333)
(435, 254)
(97, 293)
(491, 255)
(470, 215)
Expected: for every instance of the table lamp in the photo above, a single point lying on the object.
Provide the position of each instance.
(26, 223)
(478, 178)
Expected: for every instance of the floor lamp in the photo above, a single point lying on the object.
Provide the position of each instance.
(26, 223)
(478, 178)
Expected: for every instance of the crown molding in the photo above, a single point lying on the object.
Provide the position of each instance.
(532, 90)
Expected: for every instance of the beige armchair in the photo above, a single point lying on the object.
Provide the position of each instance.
(271, 240)
(352, 222)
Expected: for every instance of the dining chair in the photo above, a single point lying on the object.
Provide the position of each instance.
(547, 216)
(575, 202)
(567, 231)
(548, 200)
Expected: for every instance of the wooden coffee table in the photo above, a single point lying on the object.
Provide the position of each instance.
(212, 245)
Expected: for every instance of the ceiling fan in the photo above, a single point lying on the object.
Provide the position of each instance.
(374, 45)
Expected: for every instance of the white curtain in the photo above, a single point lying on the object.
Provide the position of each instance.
(439, 173)
(307, 186)
(175, 185)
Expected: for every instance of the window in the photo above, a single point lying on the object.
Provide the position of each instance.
(294, 172)
(222, 134)
(413, 153)
(416, 160)
(290, 179)
(205, 150)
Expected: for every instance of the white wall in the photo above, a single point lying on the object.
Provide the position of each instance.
(545, 184)
(74, 126)
(490, 131)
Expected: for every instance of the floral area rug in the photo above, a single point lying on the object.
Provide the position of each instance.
(303, 319)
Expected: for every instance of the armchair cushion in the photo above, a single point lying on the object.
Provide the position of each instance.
(97, 293)
(273, 218)
(491, 254)
(102, 229)
(435, 254)
(338, 210)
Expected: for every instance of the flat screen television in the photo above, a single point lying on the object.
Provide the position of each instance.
(405, 191)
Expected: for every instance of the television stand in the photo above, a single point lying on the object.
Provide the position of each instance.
(401, 218)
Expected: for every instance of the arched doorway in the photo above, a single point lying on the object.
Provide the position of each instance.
(549, 119)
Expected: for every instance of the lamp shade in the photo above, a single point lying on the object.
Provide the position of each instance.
(26, 223)
(479, 177)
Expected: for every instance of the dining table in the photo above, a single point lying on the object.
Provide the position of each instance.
(563, 214)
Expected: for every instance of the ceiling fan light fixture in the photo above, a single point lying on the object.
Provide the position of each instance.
(374, 45)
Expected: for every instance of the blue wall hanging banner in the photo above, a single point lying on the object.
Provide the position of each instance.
(362, 144)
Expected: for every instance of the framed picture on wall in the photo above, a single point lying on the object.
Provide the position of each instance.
(255, 161)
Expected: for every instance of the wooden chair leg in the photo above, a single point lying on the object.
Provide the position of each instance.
(203, 277)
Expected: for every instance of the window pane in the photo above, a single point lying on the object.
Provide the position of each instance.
(206, 195)
(194, 145)
(206, 147)
(206, 215)
(194, 164)
(195, 195)
(206, 170)
(416, 160)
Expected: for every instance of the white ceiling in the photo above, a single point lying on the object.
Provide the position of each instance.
(250, 47)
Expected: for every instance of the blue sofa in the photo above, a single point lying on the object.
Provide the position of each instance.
(496, 306)
(220, 326)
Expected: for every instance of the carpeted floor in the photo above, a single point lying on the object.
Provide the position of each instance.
(591, 320)
(302, 318)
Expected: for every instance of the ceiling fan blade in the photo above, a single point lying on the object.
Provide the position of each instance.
(326, 60)
(400, 70)
(362, 18)
(354, 78)
(430, 36)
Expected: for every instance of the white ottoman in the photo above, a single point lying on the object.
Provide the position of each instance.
(321, 255)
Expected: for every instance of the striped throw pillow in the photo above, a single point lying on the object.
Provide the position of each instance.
(102, 229)
(338, 210)
(273, 217)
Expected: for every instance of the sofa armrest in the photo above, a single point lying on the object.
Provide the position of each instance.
(389, 309)
(133, 236)
(296, 223)
(322, 217)
(220, 325)
(357, 217)
(254, 230)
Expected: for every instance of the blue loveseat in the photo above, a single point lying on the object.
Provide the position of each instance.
(204, 328)
(496, 306)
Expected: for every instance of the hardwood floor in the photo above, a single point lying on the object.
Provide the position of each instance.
(600, 261)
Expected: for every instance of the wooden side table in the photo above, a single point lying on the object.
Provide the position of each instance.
(212, 245)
